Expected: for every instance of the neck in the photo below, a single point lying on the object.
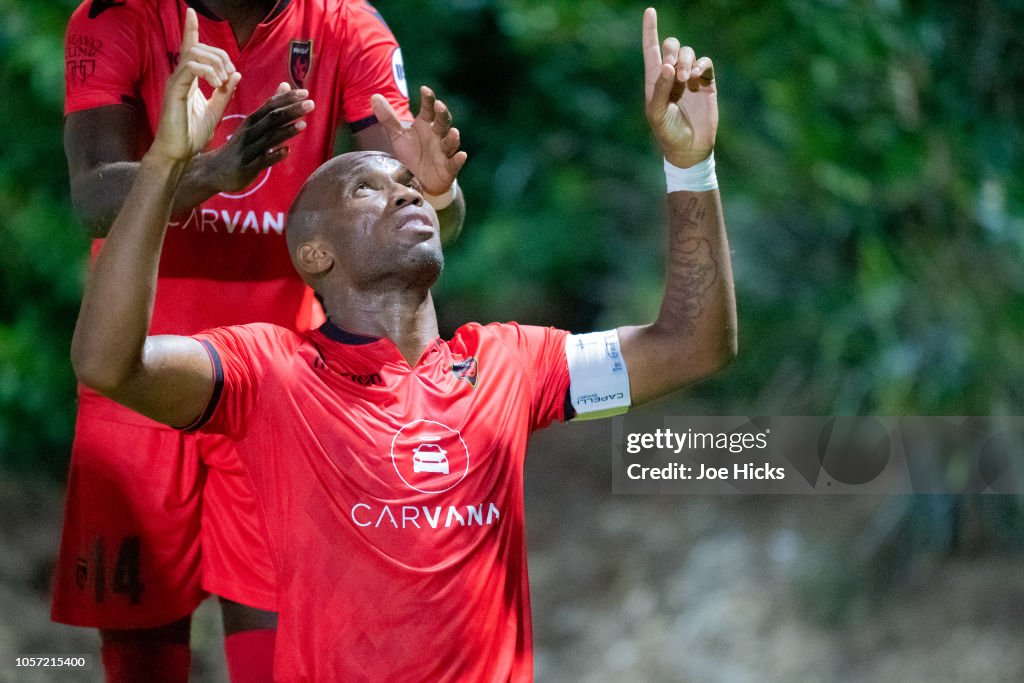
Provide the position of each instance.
(404, 316)
(242, 15)
(232, 10)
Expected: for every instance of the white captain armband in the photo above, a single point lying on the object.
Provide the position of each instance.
(598, 381)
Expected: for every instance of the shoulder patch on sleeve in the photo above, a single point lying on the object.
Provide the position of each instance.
(398, 72)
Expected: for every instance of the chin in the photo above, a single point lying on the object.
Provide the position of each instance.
(424, 265)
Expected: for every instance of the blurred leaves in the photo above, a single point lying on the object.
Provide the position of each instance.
(870, 161)
(867, 154)
(42, 248)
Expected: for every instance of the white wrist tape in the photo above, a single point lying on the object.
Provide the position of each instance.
(442, 201)
(698, 178)
(598, 381)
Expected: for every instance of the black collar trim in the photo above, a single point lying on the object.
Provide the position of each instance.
(335, 333)
(202, 10)
(205, 11)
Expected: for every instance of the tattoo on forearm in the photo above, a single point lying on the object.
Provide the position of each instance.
(690, 216)
(692, 268)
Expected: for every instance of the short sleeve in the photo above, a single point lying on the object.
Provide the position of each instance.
(243, 359)
(103, 56)
(542, 352)
(370, 62)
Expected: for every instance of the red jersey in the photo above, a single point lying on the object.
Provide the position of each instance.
(393, 495)
(226, 262)
(229, 254)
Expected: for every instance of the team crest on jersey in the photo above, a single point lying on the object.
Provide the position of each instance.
(467, 370)
(300, 61)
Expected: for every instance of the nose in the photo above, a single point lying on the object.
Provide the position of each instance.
(403, 195)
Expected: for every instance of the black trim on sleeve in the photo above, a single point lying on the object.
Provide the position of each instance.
(132, 101)
(218, 388)
(570, 412)
(362, 124)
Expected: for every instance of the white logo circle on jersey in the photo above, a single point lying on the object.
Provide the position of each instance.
(429, 457)
(221, 135)
(398, 71)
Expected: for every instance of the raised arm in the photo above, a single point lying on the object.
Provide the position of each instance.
(167, 378)
(694, 335)
(102, 147)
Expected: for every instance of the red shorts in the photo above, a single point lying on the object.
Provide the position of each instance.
(154, 520)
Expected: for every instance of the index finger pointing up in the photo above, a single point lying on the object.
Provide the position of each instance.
(190, 36)
(652, 51)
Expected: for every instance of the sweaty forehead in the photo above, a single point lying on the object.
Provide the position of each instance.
(368, 165)
(329, 187)
(336, 171)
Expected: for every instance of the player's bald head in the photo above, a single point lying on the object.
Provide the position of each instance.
(320, 197)
(362, 217)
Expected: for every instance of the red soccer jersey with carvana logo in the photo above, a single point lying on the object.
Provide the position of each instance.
(393, 494)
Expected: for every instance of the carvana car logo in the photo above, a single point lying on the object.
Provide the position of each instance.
(430, 457)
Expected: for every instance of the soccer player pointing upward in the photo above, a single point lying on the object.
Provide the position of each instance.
(387, 461)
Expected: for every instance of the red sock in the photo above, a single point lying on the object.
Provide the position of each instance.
(250, 656)
(131, 661)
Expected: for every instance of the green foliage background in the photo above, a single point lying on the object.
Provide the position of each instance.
(870, 161)
(42, 249)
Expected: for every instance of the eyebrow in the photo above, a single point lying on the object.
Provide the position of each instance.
(406, 175)
(364, 170)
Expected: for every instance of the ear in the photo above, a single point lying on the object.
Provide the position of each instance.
(314, 258)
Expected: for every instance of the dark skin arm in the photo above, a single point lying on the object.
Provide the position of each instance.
(110, 351)
(167, 378)
(103, 147)
(694, 335)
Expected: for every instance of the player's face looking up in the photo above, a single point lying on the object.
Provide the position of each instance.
(361, 222)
